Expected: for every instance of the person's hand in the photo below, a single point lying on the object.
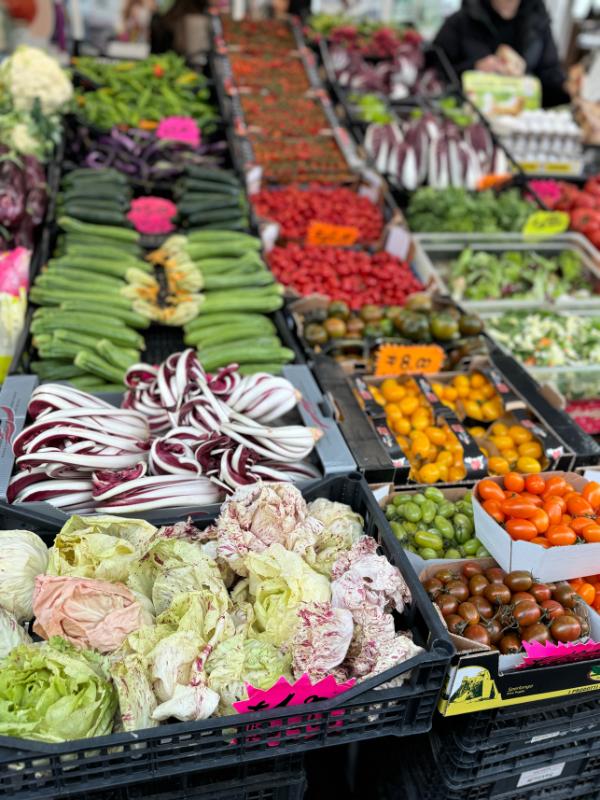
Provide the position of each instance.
(280, 7)
(514, 64)
(490, 64)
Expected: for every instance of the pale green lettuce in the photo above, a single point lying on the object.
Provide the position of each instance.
(279, 581)
(53, 693)
(342, 527)
(238, 661)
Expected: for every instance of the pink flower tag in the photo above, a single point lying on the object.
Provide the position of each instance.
(152, 215)
(179, 129)
(538, 654)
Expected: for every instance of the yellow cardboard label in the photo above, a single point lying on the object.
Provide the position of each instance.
(546, 223)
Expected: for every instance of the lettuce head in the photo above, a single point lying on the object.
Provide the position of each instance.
(104, 547)
(237, 661)
(11, 633)
(23, 556)
(136, 698)
(53, 693)
(279, 582)
(341, 528)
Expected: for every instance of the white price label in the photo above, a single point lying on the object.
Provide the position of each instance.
(253, 179)
(540, 774)
(543, 736)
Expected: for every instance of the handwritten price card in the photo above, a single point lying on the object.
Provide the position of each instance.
(396, 359)
(324, 234)
(546, 223)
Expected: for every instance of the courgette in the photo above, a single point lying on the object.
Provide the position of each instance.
(215, 175)
(55, 369)
(96, 215)
(273, 368)
(103, 231)
(119, 357)
(218, 215)
(231, 333)
(210, 187)
(208, 321)
(129, 318)
(261, 277)
(252, 352)
(55, 297)
(98, 366)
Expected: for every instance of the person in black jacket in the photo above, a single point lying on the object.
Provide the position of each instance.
(471, 37)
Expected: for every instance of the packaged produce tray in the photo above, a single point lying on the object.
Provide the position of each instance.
(32, 770)
(331, 454)
(571, 778)
(280, 779)
(440, 252)
(465, 770)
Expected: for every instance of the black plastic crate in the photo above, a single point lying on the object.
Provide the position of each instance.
(283, 779)
(34, 770)
(464, 769)
(506, 729)
(577, 778)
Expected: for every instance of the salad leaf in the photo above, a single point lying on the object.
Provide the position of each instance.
(321, 639)
(342, 527)
(279, 581)
(237, 661)
(136, 698)
(53, 693)
(23, 556)
(11, 633)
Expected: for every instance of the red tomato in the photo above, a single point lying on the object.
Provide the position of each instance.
(513, 482)
(521, 529)
(535, 484)
(487, 489)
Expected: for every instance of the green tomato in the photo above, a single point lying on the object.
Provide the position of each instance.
(426, 539)
(444, 526)
(411, 512)
(463, 535)
(447, 509)
(481, 551)
(419, 499)
(428, 553)
(398, 531)
(390, 511)
(452, 552)
(470, 547)
(410, 527)
(398, 499)
(428, 511)
(463, 524)
(411, 549)
(431, 493)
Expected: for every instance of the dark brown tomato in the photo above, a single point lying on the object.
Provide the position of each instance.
(518, 581)
(518, 596)
(495, 575)
(537, 632)
(495, 630)
(477, 633)
(552, 609)
(565, 595)
(469, 613)
(541, 592)
(471, 568)
(458, 589)
(497, 593)
(509, 644)
(455, 624)
(445, 575)
(566, 628)
(433, 586)
(477, 584)
(447, 604)
(526, 613)
(483, 606)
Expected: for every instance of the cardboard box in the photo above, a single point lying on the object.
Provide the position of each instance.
(555, 563)
(480, 679)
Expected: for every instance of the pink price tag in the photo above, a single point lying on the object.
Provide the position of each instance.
(179, 129)
(152, 215)
(539, 655)
(283, 694)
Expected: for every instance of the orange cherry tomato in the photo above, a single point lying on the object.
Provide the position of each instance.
(587, 592)
(578, 506)
(557, 485)
(591, 492)
(493, 509)
(554, 511)
(513, 482)
(566, 519)
(535, 484)
(591, 533)
(521, 529)
(489, 490)
(516, 507)
(561, 535)
(533, 498)
(576, 583)
(579, 523)
(541, 520)
(541, 540)
(555, 498)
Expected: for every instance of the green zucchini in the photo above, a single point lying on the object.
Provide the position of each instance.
(129, 318)
(215, 175)
(96, 215)
(98, 366)
(76, 279)
(102, 266)
(55, 297)
(97, 326)
(208, 321)
(103, 231)
(55, 369)
(229, 333)
(218, 215)
(262, 277)
(251, 352)
(103, 251)
(210, 187)
(273, 368)
(120, 357)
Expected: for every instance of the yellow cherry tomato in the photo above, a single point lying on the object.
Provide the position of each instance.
(402, 426)
(408, 405)
(490, 410)
(477, 430)
(421, 419)
(449, 393)
(477, 380)
(498, 465)
(420, 445)
(510, 455)
(531, 449)
(528, 465)
(499, 429)
(502, 442)
(444, 458)
(519, 434)
(430, 473)
(472, 409)
(435, 435)
(456, 473)
(461, 380)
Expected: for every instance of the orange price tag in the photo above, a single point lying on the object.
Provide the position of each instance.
(322, 233)
(395, 359)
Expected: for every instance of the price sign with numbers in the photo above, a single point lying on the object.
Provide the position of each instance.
(395, 359)
(546, 223)
(322, 233)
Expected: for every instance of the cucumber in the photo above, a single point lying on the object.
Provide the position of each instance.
(103, 231)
